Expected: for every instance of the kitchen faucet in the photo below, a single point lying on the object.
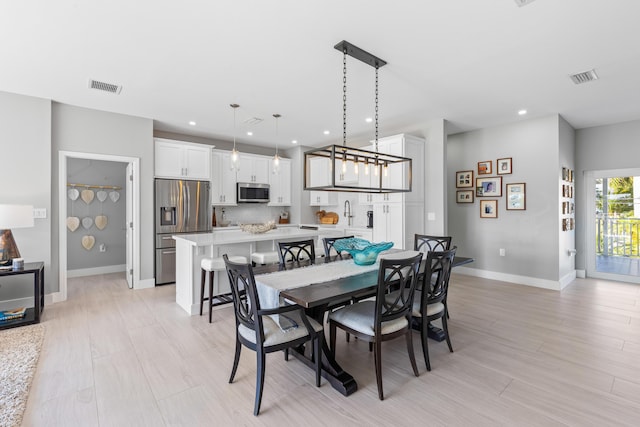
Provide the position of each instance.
(347, 211)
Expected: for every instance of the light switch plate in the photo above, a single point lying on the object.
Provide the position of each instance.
(431, 216)
(40, 213)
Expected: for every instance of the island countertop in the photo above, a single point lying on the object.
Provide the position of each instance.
(228, 237)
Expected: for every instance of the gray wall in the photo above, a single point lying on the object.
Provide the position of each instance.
(601, 148)
(25, 129)
(83, 130)
(113, 236)
(529, 237)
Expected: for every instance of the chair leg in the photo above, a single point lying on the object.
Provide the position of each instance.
(259, 381)
(236, 359)
(445, 328)
(318, 356)
(377, 356)
(425, 345)
(203, 279)
(347, 336)
(332, 337)
(211, 277)
(370, 346)
(412, 356)
(286, 354)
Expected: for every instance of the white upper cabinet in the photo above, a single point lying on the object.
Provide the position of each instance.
(253, 168)
(223, 179)
(183, 160)
(280, 184)
(323, 198)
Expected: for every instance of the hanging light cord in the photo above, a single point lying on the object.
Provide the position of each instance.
(376, 107)
(344, 97)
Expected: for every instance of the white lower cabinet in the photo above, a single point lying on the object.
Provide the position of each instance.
(360, 233)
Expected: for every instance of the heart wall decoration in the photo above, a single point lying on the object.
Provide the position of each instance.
(73, 194)
(73, 222)
(87, 196)
(114, 196)
(88, 241)
(101, 195)
(101, 222)
(87, 222)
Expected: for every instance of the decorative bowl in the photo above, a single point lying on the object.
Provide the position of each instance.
(224, 223)
(258, 228)
(362, 251)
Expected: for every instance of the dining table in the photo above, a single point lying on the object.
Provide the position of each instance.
(320, 296)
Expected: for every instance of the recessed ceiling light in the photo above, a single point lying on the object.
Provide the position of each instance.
(294, 141)
(522, 112)
(326, 132)
(250, 133)
(368, 120)
(192, 123)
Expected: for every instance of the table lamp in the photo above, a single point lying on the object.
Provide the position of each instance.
(12, 216)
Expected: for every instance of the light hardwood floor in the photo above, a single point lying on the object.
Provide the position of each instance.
(523, 356)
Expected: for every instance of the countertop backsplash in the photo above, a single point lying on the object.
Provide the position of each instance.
(250, 213)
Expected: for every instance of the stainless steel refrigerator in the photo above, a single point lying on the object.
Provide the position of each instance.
(180, 207)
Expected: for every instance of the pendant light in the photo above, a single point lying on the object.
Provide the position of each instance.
(323, 167)
(235, 154)
(276, 158)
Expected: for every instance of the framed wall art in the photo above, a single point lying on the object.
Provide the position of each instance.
(464, 179)
(488, 209)
(484, 168)
(503, 166)
(489, 187)
(516, 197)
(464, 196)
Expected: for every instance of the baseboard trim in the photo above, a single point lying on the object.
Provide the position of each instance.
(581, 274)
(511, 278)
(145, 284)
(82, 272)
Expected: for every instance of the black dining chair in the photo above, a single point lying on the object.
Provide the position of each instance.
(328, 242)
(384, 318)
(296, 251)
(425, 244)
(258, 330)
(430, 301)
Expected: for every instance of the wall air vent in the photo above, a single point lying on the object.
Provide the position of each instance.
(584, 77)
(106, 87)
(521, 3)
(253, 121)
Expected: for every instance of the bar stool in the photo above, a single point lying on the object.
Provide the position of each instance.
(211, 265)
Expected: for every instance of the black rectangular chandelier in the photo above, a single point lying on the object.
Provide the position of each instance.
(344, 168)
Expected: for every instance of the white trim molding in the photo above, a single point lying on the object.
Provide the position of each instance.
(520, 280)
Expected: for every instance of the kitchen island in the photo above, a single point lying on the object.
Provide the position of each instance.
(192, 248)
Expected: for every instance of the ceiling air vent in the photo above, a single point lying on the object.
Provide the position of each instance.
(253, 121)
(584, 77)
(521, 3)
(106, 87)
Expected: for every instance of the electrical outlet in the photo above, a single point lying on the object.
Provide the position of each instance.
(503, 252)
(103, 247)
(40, 213)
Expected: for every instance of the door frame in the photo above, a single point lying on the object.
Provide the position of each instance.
(134, 163)
(590, 228)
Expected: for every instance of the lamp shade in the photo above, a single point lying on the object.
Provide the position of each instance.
(16, 216)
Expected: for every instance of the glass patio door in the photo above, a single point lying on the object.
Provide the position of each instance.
(613, 225)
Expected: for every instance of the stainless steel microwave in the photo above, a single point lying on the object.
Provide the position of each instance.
(253, 193)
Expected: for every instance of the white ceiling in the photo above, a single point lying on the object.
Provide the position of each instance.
(474, 63)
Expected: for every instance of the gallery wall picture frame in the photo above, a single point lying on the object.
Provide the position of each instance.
(489, 186)
(484, 168)
(488, 209)
(516, 196)
(464, 179)
(504, 166)
(464, 196)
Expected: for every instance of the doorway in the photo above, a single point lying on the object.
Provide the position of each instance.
(132, 215)
(613, 225)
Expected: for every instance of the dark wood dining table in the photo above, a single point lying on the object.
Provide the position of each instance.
(318, 298)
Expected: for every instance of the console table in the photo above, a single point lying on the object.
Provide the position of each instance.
(33, 314)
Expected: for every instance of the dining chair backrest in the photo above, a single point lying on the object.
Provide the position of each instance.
(296, 251)
(425, 243)
(399, 274)
(246, 304)
(438, 267)
(328, 242)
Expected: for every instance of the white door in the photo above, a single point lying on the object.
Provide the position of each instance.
(613, 224)
(129, 225)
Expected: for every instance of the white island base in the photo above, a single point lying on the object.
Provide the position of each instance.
(192, 248)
